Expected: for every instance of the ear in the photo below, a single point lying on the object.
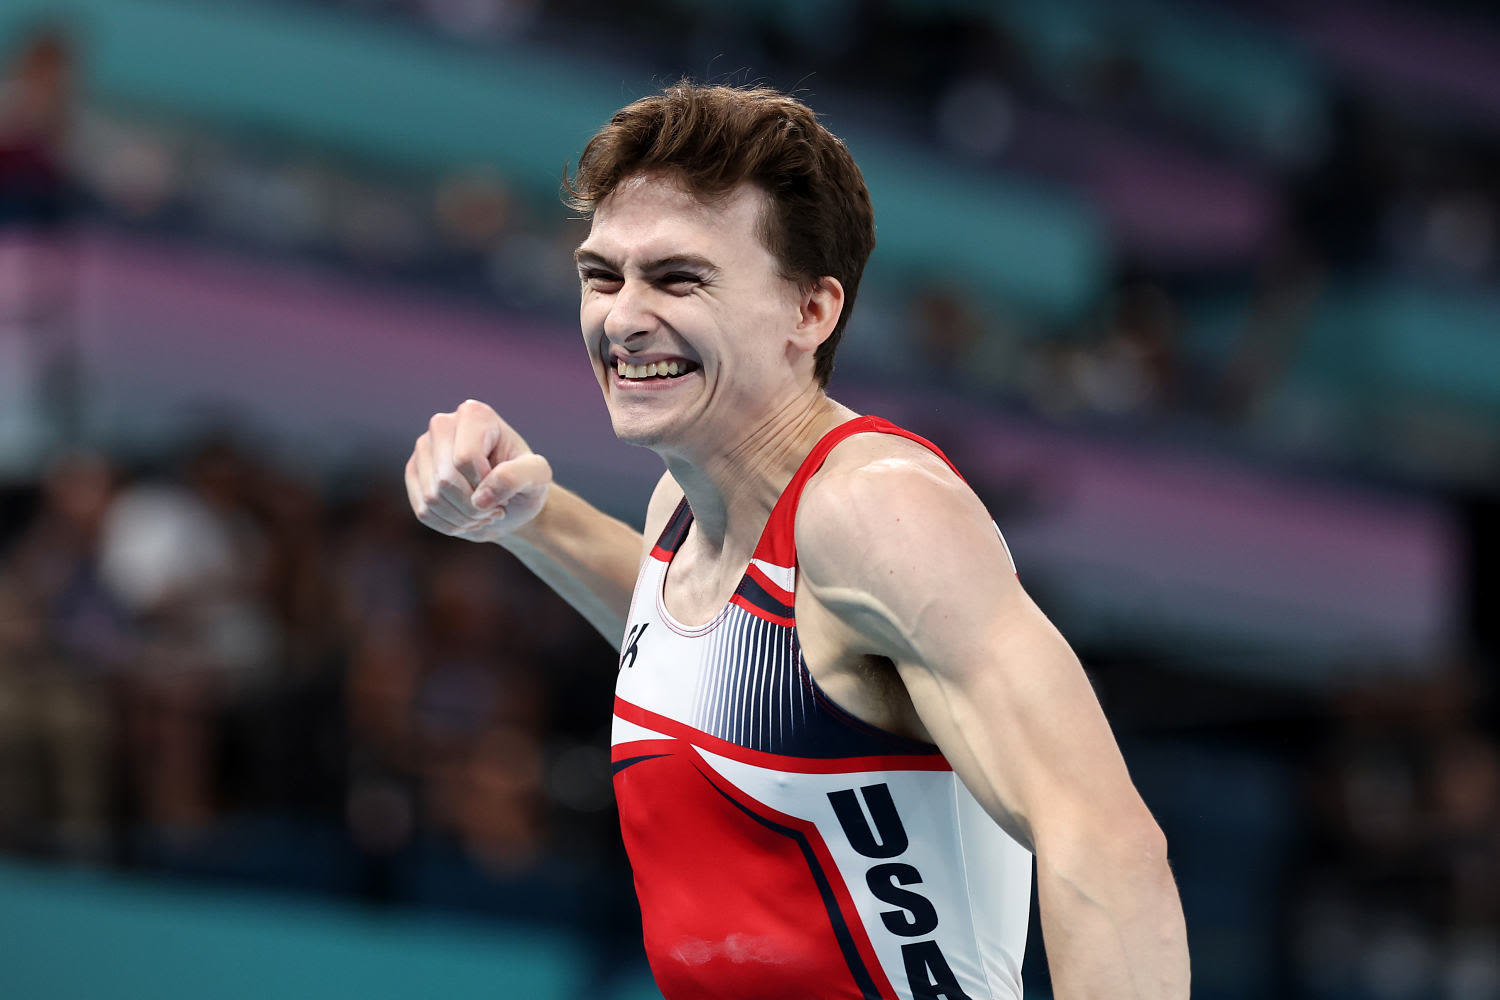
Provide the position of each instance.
(818, 312)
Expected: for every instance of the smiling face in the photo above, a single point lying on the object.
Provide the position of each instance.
(692, 330)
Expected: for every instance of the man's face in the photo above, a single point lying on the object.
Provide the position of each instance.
(688, 287)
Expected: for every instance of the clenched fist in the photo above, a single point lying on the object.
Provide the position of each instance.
(473, 477)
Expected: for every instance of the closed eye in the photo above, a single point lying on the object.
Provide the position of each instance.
(598, 279)
(679, 282)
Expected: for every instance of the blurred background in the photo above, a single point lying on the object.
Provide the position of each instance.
(1204, 298)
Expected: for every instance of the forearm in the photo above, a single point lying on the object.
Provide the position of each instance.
(588, 557)
(1113, 925)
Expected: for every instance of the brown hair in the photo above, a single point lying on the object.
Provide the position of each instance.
(714, 138)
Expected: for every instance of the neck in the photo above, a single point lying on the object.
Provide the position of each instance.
(732, 490)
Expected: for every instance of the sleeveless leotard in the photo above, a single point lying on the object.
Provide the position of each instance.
(783, 849)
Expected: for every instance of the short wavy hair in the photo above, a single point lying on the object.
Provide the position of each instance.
(713, 138)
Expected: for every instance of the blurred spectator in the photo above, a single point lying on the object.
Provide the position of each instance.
(35, 110)
(446, 714)
(187, 561)
(62, 635)
(1291, 278)
(1401, 893)
(497, 804)
(945, 334)
(474, 209)
(296, 580)
(1124, 365)
(37, 202)
(475, 702)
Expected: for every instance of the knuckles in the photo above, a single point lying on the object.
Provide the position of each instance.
(474, 406)
(454, 482)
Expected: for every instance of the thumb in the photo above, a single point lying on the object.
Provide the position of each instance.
(528, 473)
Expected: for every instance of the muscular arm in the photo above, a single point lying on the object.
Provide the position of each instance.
(906, 564)
(473, 477)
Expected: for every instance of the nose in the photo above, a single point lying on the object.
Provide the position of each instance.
(630, 313)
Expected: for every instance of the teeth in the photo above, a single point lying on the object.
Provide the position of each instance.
(668, 369)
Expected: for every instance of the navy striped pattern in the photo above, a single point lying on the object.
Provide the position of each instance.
(750, 691)
(754, 691)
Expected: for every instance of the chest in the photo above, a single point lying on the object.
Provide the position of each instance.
(695, 586)
(752, 645)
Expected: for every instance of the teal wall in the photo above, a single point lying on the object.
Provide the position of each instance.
(335, 80)
(77, 935)
(395, 96)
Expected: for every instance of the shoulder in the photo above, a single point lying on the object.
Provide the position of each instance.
(887, 505)
(883, 480)
(894, 545)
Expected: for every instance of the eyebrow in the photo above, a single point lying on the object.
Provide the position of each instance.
(585, 257)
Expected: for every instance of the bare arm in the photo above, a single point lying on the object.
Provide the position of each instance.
(473, 477)
(908, 566)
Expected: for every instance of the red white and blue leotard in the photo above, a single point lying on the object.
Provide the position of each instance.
(783, 849)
